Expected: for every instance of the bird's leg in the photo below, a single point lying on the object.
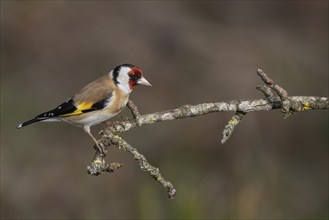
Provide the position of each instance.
(99, 146)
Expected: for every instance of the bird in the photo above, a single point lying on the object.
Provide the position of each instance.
(97, 102)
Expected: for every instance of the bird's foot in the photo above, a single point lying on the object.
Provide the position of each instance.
(100, 147)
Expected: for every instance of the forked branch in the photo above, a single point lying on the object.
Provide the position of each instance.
(288, 105)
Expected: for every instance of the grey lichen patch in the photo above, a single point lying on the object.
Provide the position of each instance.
(196, 110)
(185, 111)
(148, 119)
(167, 116)
(245, 106)
(224, 106)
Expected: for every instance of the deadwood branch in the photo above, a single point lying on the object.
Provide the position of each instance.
(288, 105)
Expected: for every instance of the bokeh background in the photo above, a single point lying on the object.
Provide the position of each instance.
(192, 52)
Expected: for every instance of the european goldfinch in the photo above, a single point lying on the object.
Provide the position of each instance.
(97, 102)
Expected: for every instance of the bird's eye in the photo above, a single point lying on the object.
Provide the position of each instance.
(134, 76)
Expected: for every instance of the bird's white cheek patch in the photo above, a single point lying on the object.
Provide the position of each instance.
(125, 88)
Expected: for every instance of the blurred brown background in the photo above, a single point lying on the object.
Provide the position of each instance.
(191, 52)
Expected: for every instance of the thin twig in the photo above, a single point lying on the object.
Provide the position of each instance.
(133, 108)
(286, 102)
(229, 128)
(278, 89)
(266, 90)
(143, 163)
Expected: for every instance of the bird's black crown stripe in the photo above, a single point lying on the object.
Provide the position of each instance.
(115, 74)
(117, 69)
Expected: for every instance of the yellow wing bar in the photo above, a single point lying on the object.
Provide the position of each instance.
(84, 106)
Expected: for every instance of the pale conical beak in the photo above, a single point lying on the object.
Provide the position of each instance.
(143, 81)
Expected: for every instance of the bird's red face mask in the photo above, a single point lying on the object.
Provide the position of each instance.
(136, 78)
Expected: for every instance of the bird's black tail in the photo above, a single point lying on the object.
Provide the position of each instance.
(50, 115)
(36, 119)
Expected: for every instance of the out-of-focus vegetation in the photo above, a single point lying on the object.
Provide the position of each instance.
(191, 52)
